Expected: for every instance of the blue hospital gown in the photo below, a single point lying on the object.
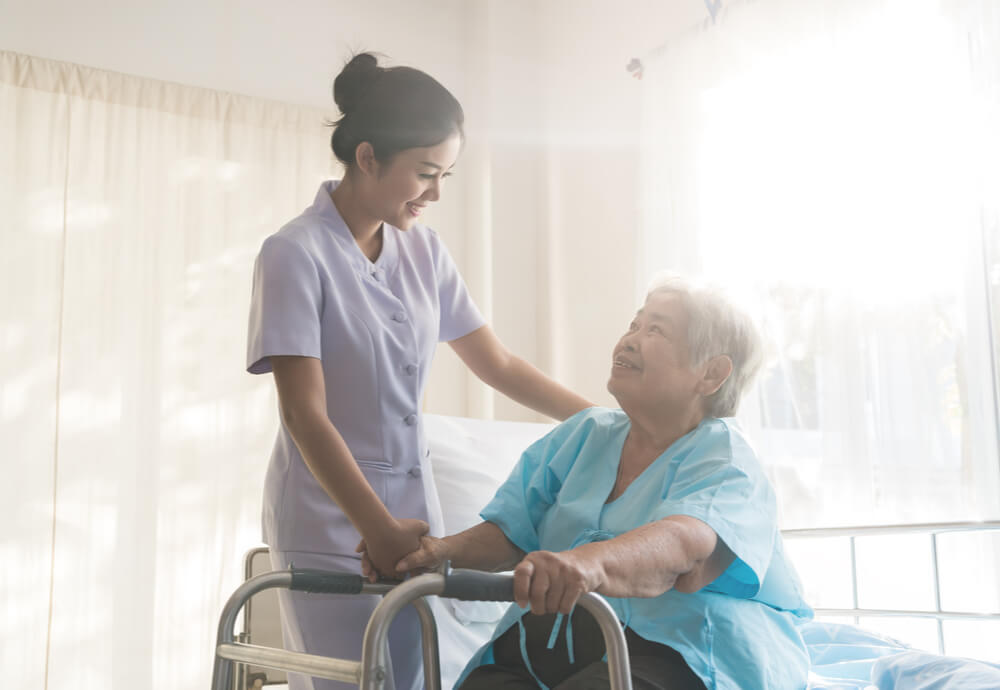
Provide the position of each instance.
(739, 632)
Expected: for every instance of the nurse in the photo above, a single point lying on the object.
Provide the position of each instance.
(349, 302)
(661, 506)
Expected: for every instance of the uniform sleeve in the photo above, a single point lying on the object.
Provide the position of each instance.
(459, 314)
(734, 500)
(533, 485)
(285, 305)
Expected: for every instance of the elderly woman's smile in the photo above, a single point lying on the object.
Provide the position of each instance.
(655, 344)
(626, 364)
(655, 375)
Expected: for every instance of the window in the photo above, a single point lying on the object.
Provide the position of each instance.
(835, 165)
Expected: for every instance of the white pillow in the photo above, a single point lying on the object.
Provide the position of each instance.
(470, 458)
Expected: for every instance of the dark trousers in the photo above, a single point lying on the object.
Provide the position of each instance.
(654, 666)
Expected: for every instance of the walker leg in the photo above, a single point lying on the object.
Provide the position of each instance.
(429, 643)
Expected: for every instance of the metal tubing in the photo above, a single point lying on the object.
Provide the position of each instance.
(893, 613)
(619, 668)
(872, 530)
(222, 671)
(240, 670)
(932, 529)
(223, 668)
(429, 643)
(374, 665)
(937, 591)
(297, 662)
(854, 577)
(372, 671)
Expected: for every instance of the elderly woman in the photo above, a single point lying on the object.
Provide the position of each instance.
(662, 507)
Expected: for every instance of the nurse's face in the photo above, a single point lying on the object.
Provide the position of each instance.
(651, 365)
(411, 181)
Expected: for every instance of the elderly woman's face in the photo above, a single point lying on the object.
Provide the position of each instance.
(651, 365)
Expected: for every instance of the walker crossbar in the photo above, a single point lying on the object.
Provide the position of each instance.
(371, 672)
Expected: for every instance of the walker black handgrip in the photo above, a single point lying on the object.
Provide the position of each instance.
(325, 582)
(476, 585)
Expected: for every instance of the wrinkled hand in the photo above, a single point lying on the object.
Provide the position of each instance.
(431, 554)
(382, 550)
(553, 582)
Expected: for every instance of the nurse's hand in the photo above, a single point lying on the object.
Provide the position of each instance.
(553, 582)
(431, 554)
(382, 549)
(367, 569)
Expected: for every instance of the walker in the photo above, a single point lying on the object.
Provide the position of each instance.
(370, 672)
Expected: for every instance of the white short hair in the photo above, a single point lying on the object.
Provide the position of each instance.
(717, 327)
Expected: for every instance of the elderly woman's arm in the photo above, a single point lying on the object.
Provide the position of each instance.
(483, 547)
(677, 552)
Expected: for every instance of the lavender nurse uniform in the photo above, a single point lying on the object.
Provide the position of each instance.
(374, 327)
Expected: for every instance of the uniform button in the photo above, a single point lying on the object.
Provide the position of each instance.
(399, 316)
(378, 274)
(410, 419)
(416, 472)
(410, 369)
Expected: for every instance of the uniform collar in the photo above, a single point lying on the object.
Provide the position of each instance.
(327, 210)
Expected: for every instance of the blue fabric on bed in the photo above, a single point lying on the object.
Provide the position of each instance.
(841, 656)
(845, 657)
(914, 670)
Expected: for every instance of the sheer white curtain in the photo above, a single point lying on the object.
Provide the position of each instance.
(133, 444)
(836, 164)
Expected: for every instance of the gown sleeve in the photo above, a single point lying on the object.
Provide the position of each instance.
(285, 306)
(459, 314)
(533, 485)
(721, 484)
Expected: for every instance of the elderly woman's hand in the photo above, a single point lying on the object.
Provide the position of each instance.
(431, 554)
(553, 582)
(381, 552)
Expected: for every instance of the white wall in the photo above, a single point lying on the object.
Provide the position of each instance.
(287, 51)
(563, 128)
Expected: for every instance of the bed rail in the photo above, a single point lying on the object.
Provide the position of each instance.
(932, 530)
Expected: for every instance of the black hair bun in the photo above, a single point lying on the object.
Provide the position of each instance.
(355, 80)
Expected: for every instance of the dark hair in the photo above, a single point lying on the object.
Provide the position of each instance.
(392, 108)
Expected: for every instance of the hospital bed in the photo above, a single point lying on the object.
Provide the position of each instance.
(470, 458)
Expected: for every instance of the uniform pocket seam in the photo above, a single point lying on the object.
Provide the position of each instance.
(374, 463)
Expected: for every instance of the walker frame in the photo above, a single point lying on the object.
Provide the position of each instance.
(370, 673)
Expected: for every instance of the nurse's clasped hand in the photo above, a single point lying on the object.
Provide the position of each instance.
(547, 581)
(432, 553)
(382, 547)
(431, 550)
